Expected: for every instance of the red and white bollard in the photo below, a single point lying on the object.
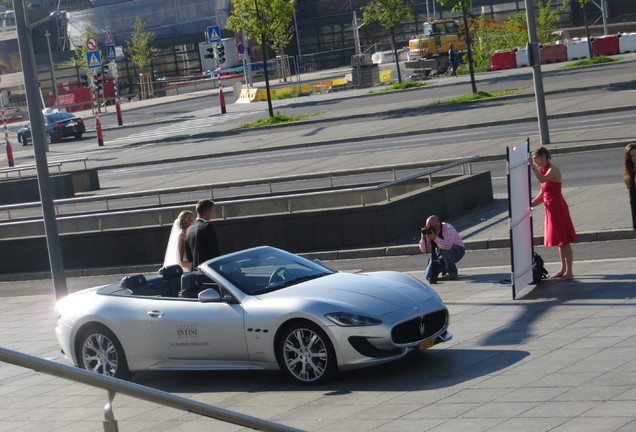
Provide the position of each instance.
(120, 120)
(98, 128)
(6, 138)
(221, 95)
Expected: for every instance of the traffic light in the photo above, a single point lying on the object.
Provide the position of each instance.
(97, 81)
(220, 52)
(84, 80)
(211, 53)
(105, 70)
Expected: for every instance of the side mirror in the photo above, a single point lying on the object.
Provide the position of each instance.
(209, 295)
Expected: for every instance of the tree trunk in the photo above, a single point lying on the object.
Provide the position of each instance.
(397, 59)
(269, 96)
(470, 53)
(587, 33)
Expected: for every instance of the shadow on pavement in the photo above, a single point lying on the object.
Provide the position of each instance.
(432, 369)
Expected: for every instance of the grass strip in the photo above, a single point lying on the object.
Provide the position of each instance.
(480, 95)
(278, 118)
(400, 86)
(593, 61)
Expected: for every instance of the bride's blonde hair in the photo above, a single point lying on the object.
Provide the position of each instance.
(185, 217)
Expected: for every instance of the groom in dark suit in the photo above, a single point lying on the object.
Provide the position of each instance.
(201, 242)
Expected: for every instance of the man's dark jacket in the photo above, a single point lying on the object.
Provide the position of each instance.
(201, 243)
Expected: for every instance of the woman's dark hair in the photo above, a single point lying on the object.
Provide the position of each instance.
(628, 166)
(542, 151)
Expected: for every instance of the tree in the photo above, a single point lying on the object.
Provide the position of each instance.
(388, 14)
(463, 5)
(139, 47)
(7, 3)
(268, 22)
(583, 6)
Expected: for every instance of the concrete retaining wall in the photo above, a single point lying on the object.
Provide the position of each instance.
(66, 185)
(297, 232)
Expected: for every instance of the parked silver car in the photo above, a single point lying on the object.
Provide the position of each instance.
(261, 308)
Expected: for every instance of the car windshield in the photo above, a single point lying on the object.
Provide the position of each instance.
(260, 270)
(58, 116)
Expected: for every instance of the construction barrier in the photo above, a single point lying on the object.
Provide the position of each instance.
(578, 49)
(503, 60)
(386, 76)
(605, 45)
(553, 53)
(627, 42)
(521, 58)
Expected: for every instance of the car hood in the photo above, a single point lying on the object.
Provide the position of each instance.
(365, 292)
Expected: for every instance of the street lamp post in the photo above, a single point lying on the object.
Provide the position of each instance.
(27, 58)
(535, 63)
(53, 78)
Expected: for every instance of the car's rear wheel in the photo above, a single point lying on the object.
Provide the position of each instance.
(49, 138)
(77, 135)
(99, 351)
(306, 354)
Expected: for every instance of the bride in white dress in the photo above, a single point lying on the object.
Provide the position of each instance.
(175, 252)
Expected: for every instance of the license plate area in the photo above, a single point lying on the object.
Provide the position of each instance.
(426, 344)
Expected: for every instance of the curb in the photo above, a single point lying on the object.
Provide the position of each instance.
(348, 254)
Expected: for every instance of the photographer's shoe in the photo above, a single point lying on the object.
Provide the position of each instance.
(453, 276)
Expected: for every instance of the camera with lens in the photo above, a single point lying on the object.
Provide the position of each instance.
(427, 230)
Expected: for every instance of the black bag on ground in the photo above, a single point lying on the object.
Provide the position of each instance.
(538, 271)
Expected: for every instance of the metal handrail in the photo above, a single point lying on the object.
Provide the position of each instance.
(51, 163)
(114, 386)
(161, 212)
(210, 188)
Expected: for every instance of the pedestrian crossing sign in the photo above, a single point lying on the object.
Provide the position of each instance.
(94, 59)
(110, 51)
(214, 34)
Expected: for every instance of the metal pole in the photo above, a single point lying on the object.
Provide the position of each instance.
(300, 54)
(53, 78)
(535, 63)
(27, 59)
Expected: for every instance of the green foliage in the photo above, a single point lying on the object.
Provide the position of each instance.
(278, 118)
(139, 47)
(480, 95)
(387, 13)
(457, 5)
(269, 22)
(513, 35)
(79, 57)
(547, 23)
(7, 3)
(595, 60)
(401, 86)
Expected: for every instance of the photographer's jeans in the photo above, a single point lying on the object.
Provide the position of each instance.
(450, 257)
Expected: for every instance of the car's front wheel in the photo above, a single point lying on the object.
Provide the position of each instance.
(99, 351)
(306, 354)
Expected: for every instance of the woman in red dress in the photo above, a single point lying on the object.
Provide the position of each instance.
(559, 230)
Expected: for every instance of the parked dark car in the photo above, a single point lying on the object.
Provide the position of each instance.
(58, 124)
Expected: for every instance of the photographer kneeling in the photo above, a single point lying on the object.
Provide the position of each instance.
(446, 247)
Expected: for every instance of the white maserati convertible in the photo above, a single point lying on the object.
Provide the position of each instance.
(260, 308)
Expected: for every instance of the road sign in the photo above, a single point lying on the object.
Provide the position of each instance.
(91, 44)
(110, 52)
(240, 48)
(214, 34)
(110, 40)
(94, 59)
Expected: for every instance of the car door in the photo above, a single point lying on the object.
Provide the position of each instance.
(186, 329)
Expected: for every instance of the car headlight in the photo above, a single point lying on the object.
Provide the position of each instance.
(346, 319)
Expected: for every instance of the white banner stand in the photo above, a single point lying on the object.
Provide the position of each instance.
(520, 215)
